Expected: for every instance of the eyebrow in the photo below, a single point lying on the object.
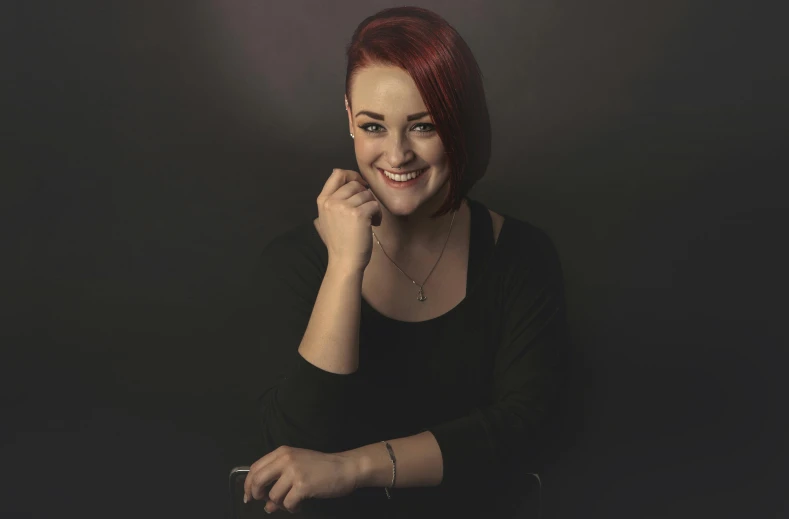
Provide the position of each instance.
(380, 117)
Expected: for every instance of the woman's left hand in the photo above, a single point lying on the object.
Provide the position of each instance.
(299, 474)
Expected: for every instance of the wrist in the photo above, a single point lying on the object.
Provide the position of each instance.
(345, 269)
(371, 465)
(358, 465)
(363, 470)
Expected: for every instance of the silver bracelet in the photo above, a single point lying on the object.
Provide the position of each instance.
(394, 467)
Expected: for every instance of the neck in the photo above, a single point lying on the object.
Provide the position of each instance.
(404, 236)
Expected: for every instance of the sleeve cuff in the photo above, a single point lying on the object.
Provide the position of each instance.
(466, 447)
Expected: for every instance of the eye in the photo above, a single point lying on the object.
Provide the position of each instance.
(366, 127)
(430, 126)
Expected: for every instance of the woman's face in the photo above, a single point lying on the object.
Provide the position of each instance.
(384, 137)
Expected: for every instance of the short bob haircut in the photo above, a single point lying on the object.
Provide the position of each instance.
(448, 78)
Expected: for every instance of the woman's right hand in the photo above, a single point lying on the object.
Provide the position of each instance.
(346, 212)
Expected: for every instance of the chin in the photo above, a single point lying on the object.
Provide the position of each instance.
(402, 206)
(406, 205)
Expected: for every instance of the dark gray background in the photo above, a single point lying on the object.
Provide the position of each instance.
(151, 149)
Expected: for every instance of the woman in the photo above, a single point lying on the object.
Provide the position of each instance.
(422, 336)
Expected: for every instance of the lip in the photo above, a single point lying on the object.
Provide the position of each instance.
(396, 184)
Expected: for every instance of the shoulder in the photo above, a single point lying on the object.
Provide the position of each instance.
(517, 235)
(527, 249)
(296, 240)
(519, 241)
(530, 269)
(294, 255)
(498, 221)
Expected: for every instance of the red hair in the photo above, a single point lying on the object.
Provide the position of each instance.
(448, 78)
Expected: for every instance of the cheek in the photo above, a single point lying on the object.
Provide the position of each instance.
(440, 163)
(435, 155)
(364, 146)
(364, 154)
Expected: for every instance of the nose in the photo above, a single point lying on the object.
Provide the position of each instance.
(400, 152)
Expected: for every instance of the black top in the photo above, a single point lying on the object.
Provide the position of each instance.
(480, 377)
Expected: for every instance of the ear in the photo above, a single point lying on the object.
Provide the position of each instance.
(350, 116)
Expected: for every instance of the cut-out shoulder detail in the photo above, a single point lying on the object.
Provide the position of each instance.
(498, 221)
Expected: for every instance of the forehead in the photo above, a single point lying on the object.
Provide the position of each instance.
(390, 89)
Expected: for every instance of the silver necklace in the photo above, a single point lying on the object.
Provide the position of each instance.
(421, 296)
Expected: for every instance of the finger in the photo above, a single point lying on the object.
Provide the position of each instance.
(262, 479)
(257, 489)
(292, 502)
(255, 469)
(248, 486)
(248, 480)
(349, 190)
(279, 492)
(338, 178)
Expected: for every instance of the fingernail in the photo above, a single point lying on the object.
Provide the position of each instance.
(245, 499)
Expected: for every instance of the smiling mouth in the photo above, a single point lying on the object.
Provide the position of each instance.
(403, 177)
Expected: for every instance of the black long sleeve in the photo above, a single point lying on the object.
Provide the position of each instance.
(304, 406)
(481, 378)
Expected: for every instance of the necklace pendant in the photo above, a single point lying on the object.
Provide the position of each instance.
(421, 296)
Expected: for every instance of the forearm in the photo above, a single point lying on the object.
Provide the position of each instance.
(331, 340)
(419, 462)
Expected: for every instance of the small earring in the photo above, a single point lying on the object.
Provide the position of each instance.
(352, 136)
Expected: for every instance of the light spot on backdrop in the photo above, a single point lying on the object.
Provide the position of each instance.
(285, 62)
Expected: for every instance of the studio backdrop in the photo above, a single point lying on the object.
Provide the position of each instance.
(152, 149)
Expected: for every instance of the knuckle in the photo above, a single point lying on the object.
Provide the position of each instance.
(291, 503)
(287, 456)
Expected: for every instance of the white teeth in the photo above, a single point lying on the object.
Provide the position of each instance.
(403, 178)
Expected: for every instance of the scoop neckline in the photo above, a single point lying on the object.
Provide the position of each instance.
(470, 291)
